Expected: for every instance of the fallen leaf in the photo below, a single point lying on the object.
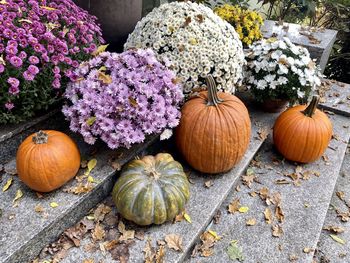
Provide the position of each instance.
(341, 195)
(39, 209)
(187, 218)
(234, 252)
(308, 250)
(249, 178)
(337, 239)
(98, 233)
(179, 217)
(90, 260)
(126, 234)
(282, 181)
(160, 254)
(149, 252)
(209, 184)
(217, 217)
(251, 222)
(243, 209)
(234, 206)
(104, 78)
(90, 121)
(293, 258)
(277, 231)
(90, 179)
(10, 171)
(268, 216)
(7, 185)
(263, 133)
(90, 166)
(279, 214)
(335, 229)
(214, 234)
(174, 241)
(18, 196)
(53, 204)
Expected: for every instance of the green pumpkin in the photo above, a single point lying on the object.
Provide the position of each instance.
(151, 190)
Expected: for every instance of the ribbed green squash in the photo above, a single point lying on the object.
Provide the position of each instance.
(151, 190)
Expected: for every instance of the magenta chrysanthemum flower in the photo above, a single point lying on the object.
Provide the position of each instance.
(13, 82)
(9, 105)
(122, 98)
(35, 37)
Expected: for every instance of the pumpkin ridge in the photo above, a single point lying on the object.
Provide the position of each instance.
(305, 147)
(290, 142)
(207, 132)
(174, 191)
(161, 199)
(126, 184)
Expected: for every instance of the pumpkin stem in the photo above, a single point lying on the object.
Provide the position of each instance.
(213, 99)
(40, 137)
(154, 174)
(311, 108)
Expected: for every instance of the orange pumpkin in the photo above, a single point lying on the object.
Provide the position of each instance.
(302, 133)
(214, 130)
(46, 160)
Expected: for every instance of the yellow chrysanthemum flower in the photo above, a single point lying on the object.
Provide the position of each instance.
(246, 22)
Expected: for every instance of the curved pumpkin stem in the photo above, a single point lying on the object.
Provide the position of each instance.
(40, 137)
(213, 99)
(310, 110)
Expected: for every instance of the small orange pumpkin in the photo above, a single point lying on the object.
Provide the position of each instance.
(214, 130)
(302, 133)
(46, 160)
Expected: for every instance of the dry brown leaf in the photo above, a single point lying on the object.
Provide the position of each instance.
(101, 211)
(251, 222)
(341, 195)
(345, 216)
(253, 194)
(248, 180)
(279, 214)
(38, 208)
(217, 217)
(238, 188)
(90, 260)
(293, 258)
(149, 252)
(121, 252)
(234, 206)
(263, 133)
(98, 233)
(334, 229)
(277, 231)
(209, 184)
(282, 181)
(174, 241)
(205, 248)
(268, 216)
(179, 217)
(126, 234)
(160, 255)
(308, 250)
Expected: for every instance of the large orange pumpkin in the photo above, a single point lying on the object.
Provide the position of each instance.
(46, 160)
(302, 133)
(214, 130)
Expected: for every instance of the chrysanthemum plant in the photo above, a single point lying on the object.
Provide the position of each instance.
(41, 43)
(194, 42)
(246, 22)
(278, 69)
(122, 98)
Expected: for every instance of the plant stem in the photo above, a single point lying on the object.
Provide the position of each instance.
(213, 99)
(40, 137)
(311, 108)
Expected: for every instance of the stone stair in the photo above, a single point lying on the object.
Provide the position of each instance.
(305, 206)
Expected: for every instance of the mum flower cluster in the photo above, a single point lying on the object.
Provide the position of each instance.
(41, 42)
(121, 98)
(246, 22)
(278, 69)
(194, 42)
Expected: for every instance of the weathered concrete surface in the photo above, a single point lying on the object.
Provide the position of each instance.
(304, 207)
(202, 206)
(327, 247)
(12, 135)
(319, 51)
(337, 98)
(25, 232)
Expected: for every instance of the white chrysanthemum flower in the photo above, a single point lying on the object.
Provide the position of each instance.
(281, 70)
(191, 36)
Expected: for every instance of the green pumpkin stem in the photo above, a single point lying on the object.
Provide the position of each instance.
(311, 108)
(154, 174)
(40, 137)
(213, 99)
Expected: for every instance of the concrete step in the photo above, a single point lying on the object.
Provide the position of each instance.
(335, 97)
(24, 232)
(328, 250)
(12, 135)
(304, 204)
(203, 204)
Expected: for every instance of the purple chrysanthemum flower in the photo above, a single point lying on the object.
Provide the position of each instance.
(13, 90)
(9, 105)
(121, 98)
(16, 61)
(33, 70)
(34, 60)
(13, 82)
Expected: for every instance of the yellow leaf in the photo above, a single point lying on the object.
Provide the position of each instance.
(2, 61)
(271, 40)
(100, 49)
(103, 68)
(48, 8)
(214, 234)
(90, 166)
(106, 79)
(91, 121)
(187, 218)
(3, 2)
(91, 217)
(53, 204)
(337, 239)
(65, 30)
(243, 209)
(7, 185)
(90, 179)
(19, 194)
